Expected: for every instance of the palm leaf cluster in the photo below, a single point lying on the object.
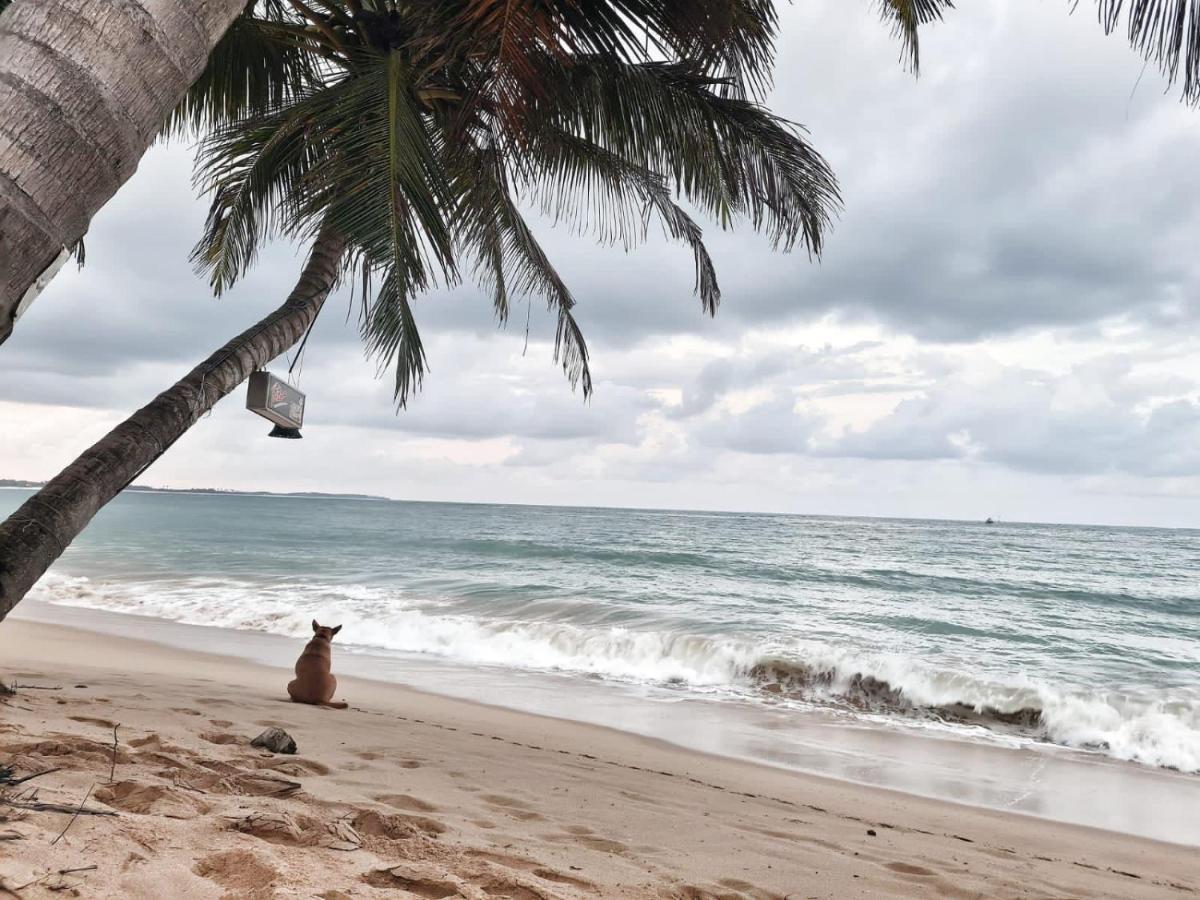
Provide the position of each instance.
(424, 133)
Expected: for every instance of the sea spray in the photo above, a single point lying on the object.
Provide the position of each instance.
(1154, 727)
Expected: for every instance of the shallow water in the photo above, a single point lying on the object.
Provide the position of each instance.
(1016, 635)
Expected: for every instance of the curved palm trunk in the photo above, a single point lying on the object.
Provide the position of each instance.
(40, 530)
(85, 86)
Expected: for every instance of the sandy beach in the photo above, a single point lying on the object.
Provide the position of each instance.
(412, 794)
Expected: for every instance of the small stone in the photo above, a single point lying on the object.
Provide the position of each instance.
(871, 832)
(276, 740)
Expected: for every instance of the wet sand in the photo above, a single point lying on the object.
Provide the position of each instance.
(412, 794)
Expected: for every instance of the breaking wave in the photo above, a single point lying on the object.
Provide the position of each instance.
(1156, 728)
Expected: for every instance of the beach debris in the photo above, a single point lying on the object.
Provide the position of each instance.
(871, 832)
(6, 775)
(40, 806)
(82, 803)
(277, 827)
(112, 769)
(276, 740)
(54, 886)
(342, 836)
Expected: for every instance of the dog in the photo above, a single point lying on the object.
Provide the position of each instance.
(314, 683)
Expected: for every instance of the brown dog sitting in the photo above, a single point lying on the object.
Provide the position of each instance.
(314, 683)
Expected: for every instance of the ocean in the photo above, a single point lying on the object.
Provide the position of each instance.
(1022, 635)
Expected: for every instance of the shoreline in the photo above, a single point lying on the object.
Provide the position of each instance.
(1045, 781)
(1042, 781)
(501, 795)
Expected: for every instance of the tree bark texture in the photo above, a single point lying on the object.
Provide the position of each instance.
(34, 536)
(85, 87)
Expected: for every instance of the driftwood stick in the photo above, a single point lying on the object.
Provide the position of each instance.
(39, 806)
(113, 768)
(25, 778)
(77, 869)
(75, 816)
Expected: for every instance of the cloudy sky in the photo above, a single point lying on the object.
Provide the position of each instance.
(1005, 321)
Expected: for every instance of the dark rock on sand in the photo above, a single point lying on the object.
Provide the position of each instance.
(276, 740)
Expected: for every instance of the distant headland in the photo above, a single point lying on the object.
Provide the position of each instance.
(147, 489)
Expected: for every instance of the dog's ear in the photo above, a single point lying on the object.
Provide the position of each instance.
(336, 629)
(316, 627)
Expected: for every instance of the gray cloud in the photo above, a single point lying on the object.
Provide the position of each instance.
(1032, 422)
(1022, 187)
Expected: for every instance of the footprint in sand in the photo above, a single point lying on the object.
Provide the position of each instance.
(150, 800)
(88, 720)
(581, 834)
(404, 801)
(221, 737)
(296, 766)
(421, 879)
(521, 864)
(241, 873)
(395, 825)
(77, 748)
(513, 807)
(187, 711)
(909, 869)
(750, 890)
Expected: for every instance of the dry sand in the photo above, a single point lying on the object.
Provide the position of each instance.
(410, 794)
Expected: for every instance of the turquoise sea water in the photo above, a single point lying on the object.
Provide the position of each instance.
(1087, 637)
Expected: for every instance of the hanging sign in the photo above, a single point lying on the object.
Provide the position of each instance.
(275, 400)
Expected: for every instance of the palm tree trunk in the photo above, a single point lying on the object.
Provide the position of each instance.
(85, 87)
(40, 530)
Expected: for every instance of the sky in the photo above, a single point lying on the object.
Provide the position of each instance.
(1004, 321)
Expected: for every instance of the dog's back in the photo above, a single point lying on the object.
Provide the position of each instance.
(314, 682)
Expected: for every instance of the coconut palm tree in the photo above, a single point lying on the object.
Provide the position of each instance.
(84, 87)
(404, 140)
(117, 69)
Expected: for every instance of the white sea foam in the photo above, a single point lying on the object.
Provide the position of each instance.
(1159, 729)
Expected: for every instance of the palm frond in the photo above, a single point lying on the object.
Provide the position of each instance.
(259, 64)
(510, 259)
(1166, 32)
(258, 169)
(727, 155)
(596, 188)
(906, 18)
(382, 184)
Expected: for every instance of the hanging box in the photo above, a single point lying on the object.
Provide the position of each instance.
(275, 400)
